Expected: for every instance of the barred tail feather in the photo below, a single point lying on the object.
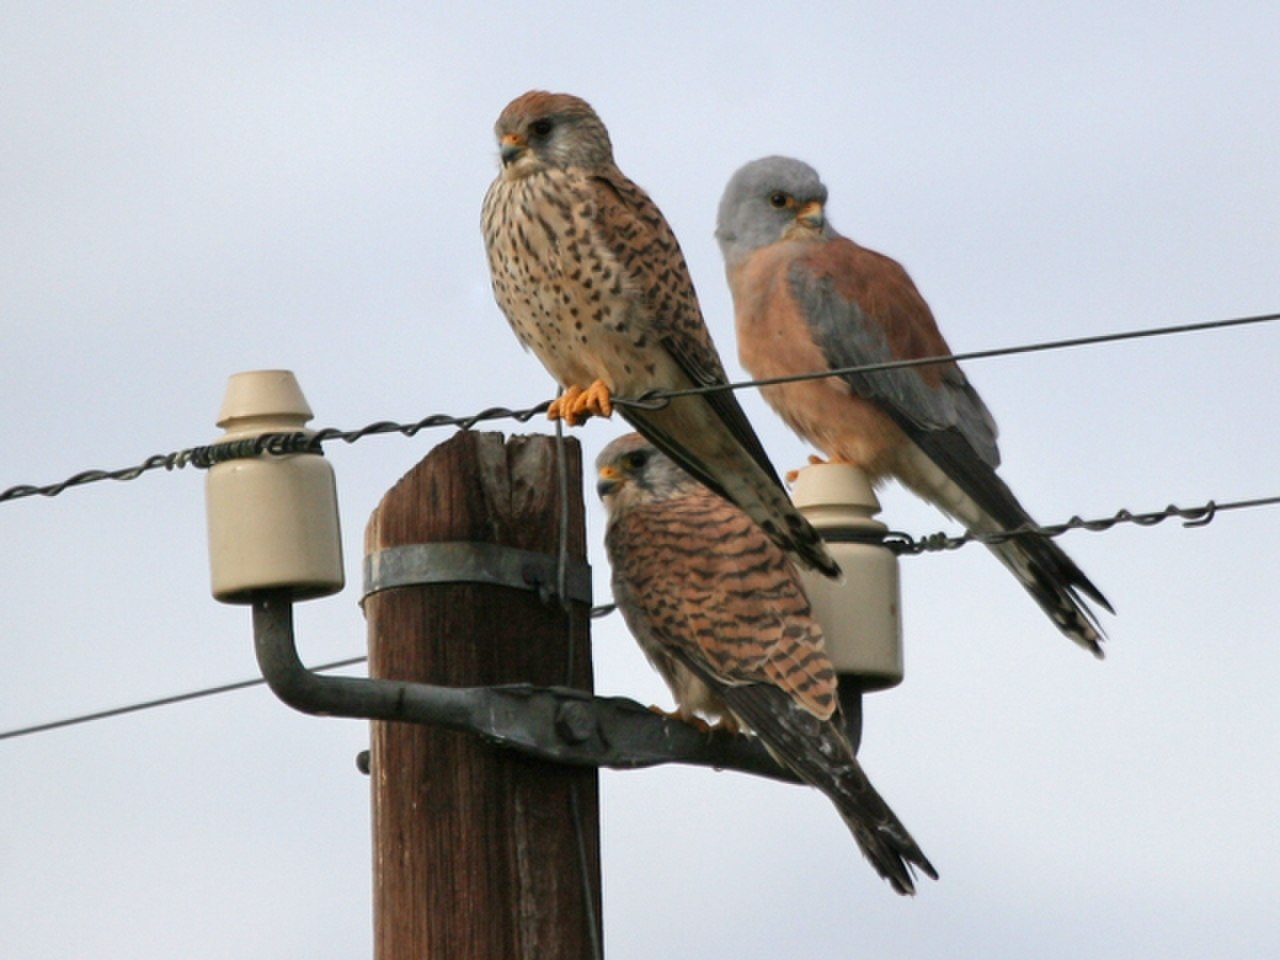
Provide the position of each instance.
(818, 752)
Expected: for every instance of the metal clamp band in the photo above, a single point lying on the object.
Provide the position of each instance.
(467, 562)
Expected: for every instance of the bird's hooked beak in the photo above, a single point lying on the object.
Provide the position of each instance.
(811, 215)
(511, 146)
(608, 481)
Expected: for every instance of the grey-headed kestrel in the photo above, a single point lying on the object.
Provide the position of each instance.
(719, 611)
(807, 299)
(592, 280)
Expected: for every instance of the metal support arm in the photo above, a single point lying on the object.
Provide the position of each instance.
(557, 724)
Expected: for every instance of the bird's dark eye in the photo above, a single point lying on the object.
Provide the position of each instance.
(778, 199)
(540, 127)
(636, 459)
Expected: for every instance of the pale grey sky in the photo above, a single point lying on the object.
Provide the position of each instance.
(193, 191)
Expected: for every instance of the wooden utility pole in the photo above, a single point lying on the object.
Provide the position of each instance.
(479, 852)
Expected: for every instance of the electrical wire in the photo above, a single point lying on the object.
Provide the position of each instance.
(907, 545)
(159, 702)
(595, 934)
(901, 543)
(203, 457)
(655, 399)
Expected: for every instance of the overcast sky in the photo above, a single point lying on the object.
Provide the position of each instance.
(188, 191)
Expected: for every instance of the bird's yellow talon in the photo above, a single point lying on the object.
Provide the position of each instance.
(594, 401)
(561, 408)
(575, 406)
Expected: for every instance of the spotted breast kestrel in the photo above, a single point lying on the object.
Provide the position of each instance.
(592, 280)
(805, 299)
(719, 611)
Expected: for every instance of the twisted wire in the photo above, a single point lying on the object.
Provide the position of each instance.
(277, 444)
(905, 544)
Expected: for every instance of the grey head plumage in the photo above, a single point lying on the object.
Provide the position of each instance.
(760, 202)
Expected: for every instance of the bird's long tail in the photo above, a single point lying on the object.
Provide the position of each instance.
(977, 497)
(818, 752)
(879, 833)
(1056, 584)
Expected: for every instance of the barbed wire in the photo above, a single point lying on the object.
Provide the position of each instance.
(203, 457)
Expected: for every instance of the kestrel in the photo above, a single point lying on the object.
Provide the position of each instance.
(592, 280)
(805, 299)
(719, 611)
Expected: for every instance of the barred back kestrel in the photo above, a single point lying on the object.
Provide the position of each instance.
(806, 298)
(719, 611)
(592, 280)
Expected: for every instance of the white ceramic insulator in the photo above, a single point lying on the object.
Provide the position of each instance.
(273, 520)
(861, 613)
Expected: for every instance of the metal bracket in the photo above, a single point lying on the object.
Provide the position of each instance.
(466, 562)
(550, 723)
